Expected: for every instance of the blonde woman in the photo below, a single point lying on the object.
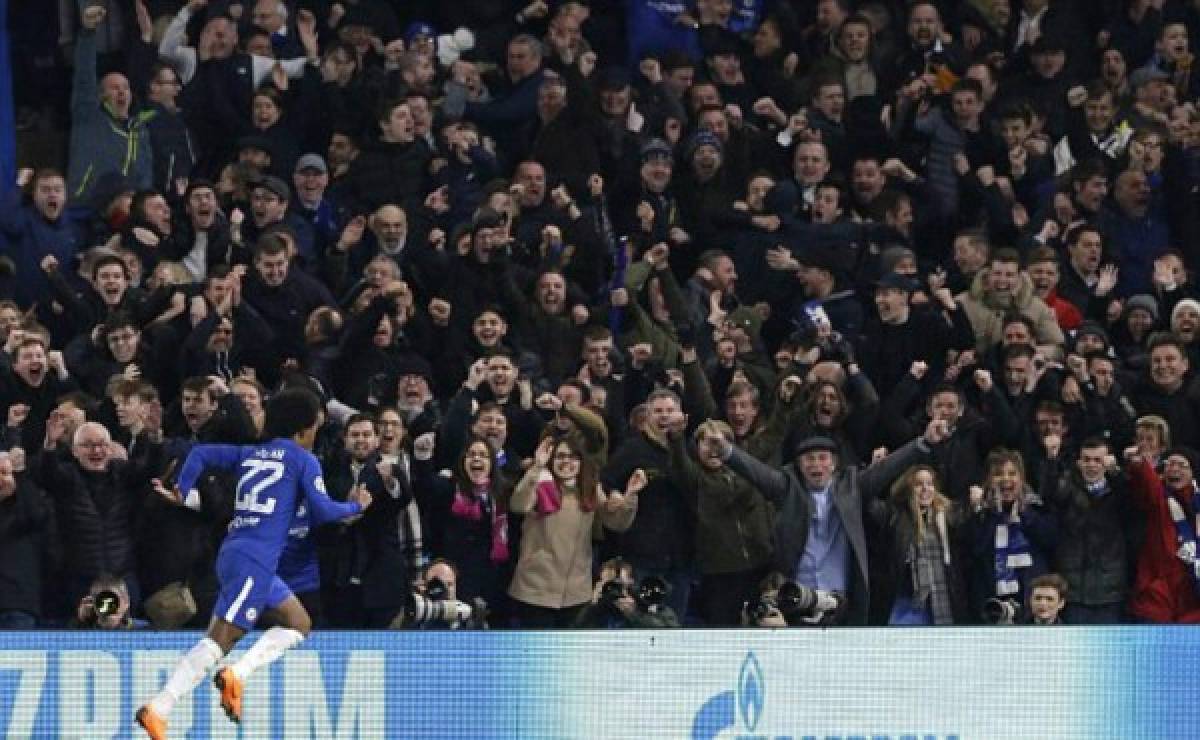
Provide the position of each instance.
(560, 497)
(1012, 533)
(925, 528)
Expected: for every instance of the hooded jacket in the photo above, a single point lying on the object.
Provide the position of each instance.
(99, 142)
(987, 312)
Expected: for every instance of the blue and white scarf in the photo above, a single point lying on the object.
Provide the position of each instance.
(1185, 531)
(1012, 554)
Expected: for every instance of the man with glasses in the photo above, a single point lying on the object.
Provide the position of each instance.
(170, 140)
(97, 496)
(1167, 587)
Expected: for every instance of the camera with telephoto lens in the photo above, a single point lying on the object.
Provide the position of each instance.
(611, 591)
(803, 605)
(1001, 611)
(434, 607)
(652, 594)
(106, 603)
(757, 610)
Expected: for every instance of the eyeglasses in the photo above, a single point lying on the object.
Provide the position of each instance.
(91, 445)
(566, 456)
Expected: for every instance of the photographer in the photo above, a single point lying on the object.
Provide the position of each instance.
(784, 603)
(435, 605)
(106, 606)
(617, 604)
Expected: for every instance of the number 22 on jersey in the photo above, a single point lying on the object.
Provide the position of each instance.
(258, 476)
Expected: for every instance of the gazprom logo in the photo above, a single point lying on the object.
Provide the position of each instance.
(751, 694)
(737, 713)
(746, 702)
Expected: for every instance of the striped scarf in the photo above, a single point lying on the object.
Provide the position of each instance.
(1185, 531)
(930, 561)
(1012, 554)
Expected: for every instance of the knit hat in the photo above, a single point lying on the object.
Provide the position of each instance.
(1095, 329)
(1145, 302)
(419, 28)
(892, 256)
(414, 365)
(656, 148)
(747, 318)
(703, 137)
(1191, 303)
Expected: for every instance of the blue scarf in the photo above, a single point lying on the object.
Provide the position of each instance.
(1185, 531)
(1011, 554)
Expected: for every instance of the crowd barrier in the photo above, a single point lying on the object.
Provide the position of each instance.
(864, 684)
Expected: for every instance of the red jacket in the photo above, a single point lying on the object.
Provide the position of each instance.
(1068, 314)
(1165, 590)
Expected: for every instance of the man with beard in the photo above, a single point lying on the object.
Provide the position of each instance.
(1002, 288)
(36, 230)
(1167, 586)
(414, 397)
(363, 572)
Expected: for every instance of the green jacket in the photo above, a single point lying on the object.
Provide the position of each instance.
(733, 528)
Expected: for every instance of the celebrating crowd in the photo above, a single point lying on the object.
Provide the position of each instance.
(723, 304)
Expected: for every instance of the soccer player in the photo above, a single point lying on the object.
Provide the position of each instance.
(277, 478)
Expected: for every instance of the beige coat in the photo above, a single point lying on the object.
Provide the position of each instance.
(554, 569)
(987, 312)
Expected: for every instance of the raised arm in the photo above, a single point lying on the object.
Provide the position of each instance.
(321, 508)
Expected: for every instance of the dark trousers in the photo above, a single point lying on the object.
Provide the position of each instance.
(14, 619)
(531, 617)
(723, 595)
(1093, 613)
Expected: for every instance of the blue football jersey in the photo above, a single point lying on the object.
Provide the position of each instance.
(275, 479)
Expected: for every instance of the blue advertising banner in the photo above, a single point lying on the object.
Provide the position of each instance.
(887, 684)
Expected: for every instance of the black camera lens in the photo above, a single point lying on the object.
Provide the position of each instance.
(106, 603)
(436, 590)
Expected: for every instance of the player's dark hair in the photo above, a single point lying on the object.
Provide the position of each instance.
(290, 412)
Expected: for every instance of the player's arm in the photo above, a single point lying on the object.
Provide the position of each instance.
(202, 457)
(321, 508)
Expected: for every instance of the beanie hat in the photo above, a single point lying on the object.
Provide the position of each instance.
(1191, 303)
(1145, 302)
(703, 137)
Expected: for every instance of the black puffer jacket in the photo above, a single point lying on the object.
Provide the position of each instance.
(97, 512)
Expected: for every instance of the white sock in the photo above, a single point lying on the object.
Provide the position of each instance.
(274, 642)
(191, 670)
